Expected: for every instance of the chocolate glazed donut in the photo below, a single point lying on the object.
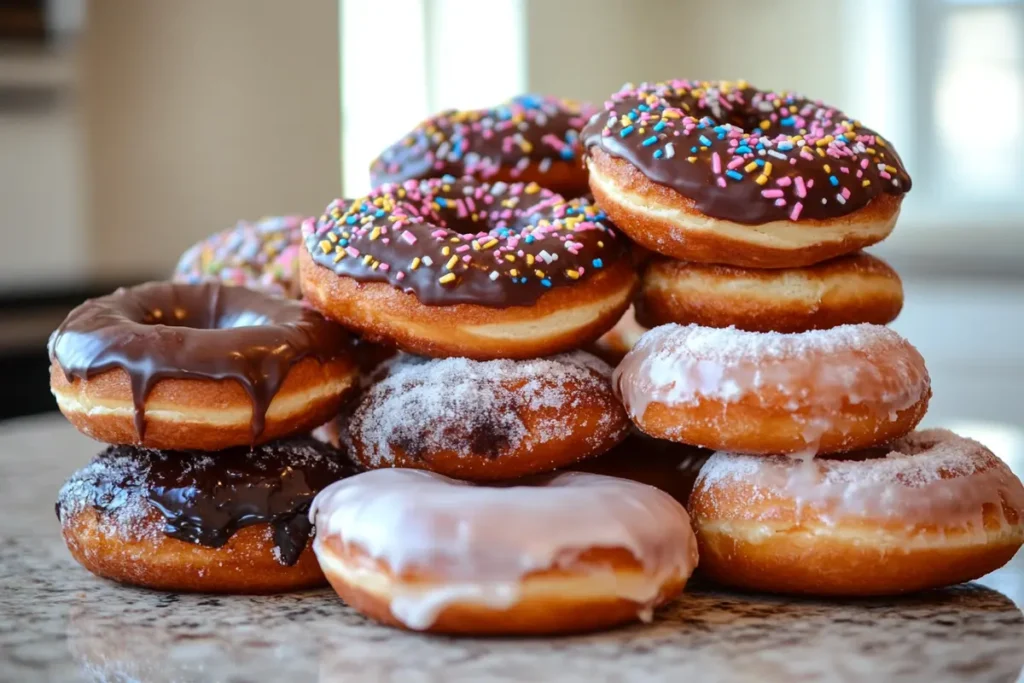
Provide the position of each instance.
(197, 366)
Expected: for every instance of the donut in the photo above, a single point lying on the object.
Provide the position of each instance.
(486, 420)
(720, 172)
(928, 510)
(666, 465)
(825, 391)
(234, 522)
(557, 553)
(843, 291)
(614, 344)
(530, 138)
(206, 367)
(263, 256)
(448, 267)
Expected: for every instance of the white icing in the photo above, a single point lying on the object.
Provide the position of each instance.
(484, 539)
(928, 477)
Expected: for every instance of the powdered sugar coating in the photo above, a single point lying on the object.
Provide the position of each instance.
(927, 477)
(473, 408)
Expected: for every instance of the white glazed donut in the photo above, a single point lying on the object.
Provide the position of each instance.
(825, 391)
(929, 510)
(559, 553)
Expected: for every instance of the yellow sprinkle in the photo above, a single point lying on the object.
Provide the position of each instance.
(865, 183)
(828, 168)
(692, 160)
(332, 237)
(670, 114)
(767, 168)
(881, 142)
(326, 246)
(511, 258)
(338, 255)
(489, 243)
(445, 250)
(539, 273)
(572, 274)
(761, 179)
(476, 245)
(451, 262)
(532, 188)
(376, 233)
(600, 244)
(765, 125)
(367, 259)
(529, 259)
(514, 272)
(821, 152)
(890, 169)
(475, 217)
(373, 266)
(454, 240)
(445, 279)
(415, 263)
(872, 151)
(752, 166)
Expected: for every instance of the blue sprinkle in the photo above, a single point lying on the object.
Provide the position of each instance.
(702, 125)
(650, 141)
(788, 121)
(785, 146)
(835, 181)
(379, 213)
(658, 153)
(625, 131)
(659, 126)
(343, 242)
(567, 153)
(734, 174)
(441, 201)
(598, 263)
(759, 162)
(743, 149)
(351, 220)
(841, 138)
(760, 145)
(704, 141)
(644, 107)
(633, 115)
(530, 239)
(546, 282)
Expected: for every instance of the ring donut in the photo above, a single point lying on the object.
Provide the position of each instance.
(263, 256)
(530, 138)
(486, 420)
(931, 509)
(449, 267)
(184, 521)
(562, 553)
(720, 172)
(826, 391)
(843, 291)
(206, 367)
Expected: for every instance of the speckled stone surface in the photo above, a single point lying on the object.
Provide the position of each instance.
(59, 623)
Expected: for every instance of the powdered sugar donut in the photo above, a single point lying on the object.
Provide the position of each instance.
(569, 552)
(928, 510)
(827, 391)
(487, 420)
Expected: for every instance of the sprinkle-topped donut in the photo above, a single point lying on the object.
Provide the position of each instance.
(261, 255)
(747, 155)
(530, 137)
(454, 241)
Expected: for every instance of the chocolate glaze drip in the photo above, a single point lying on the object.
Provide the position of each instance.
(207, 331)
(821, 160)
(529, 129)
(412, 236)
(206, 499)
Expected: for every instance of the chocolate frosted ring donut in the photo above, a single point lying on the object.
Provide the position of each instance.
(460, 268)
(185, 521)
(719, 172)
(203, 367)
(529, 138)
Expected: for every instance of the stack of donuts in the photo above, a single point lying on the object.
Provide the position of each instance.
(768, 346)
(477, 468)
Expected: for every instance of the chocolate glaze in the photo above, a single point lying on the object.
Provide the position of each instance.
(206, 499)
(527, 130)
(378, 238)
(739, 121)
(210, 331)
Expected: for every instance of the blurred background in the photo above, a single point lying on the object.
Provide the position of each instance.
(129, 129)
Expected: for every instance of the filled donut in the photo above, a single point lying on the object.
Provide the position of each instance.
(486, 420)
(931, 509)
(843, 291)
(236, 522)
(825, 391)
(207, 367)
(449, 267)
(561, 553)
(720, 172)
(614, 344)
(530, 138)
(263, 256)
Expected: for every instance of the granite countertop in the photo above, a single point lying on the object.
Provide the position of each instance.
(60, 623)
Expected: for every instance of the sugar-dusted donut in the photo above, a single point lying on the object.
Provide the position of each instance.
(720, 172)
(530, 138)
(568, 552)
(205, 367)
(263, 256)
(824, 391)
(928, 510)
(236, 522)
(846, 290)
(448, 267)
(486, 420)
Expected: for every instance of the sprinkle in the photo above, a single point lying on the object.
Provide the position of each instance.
(597, 263)
(761, 179)
(493, 275)
(625, 131)
(670, 150)
(409, 237)
(704, 141)
(650, 141)
(735, 175)
(415, 263)
(835, 181)
(752, 166)
(801, 187)
(716, 163)
(451, 262)
(795, 213)
(445, 279)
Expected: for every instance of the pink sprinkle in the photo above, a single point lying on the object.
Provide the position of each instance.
(736, 161)
(721, 181)
(400, 275)
(466, 258)
(795, 213)
(801, 188)
(771, 194)
(845, 193)
(864, 163)
(716, 163)
(784, 181)
(352, 251)
(462, 250)
(384, 267)
(780, 202)
(886, 175)
(409, 237)
(438, 234)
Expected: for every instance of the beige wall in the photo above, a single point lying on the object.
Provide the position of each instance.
(615, 41)
(200, 112)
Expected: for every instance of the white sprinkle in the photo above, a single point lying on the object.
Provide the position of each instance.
(840, 199)
(493, 275)
(670, 150)
(427, 261)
